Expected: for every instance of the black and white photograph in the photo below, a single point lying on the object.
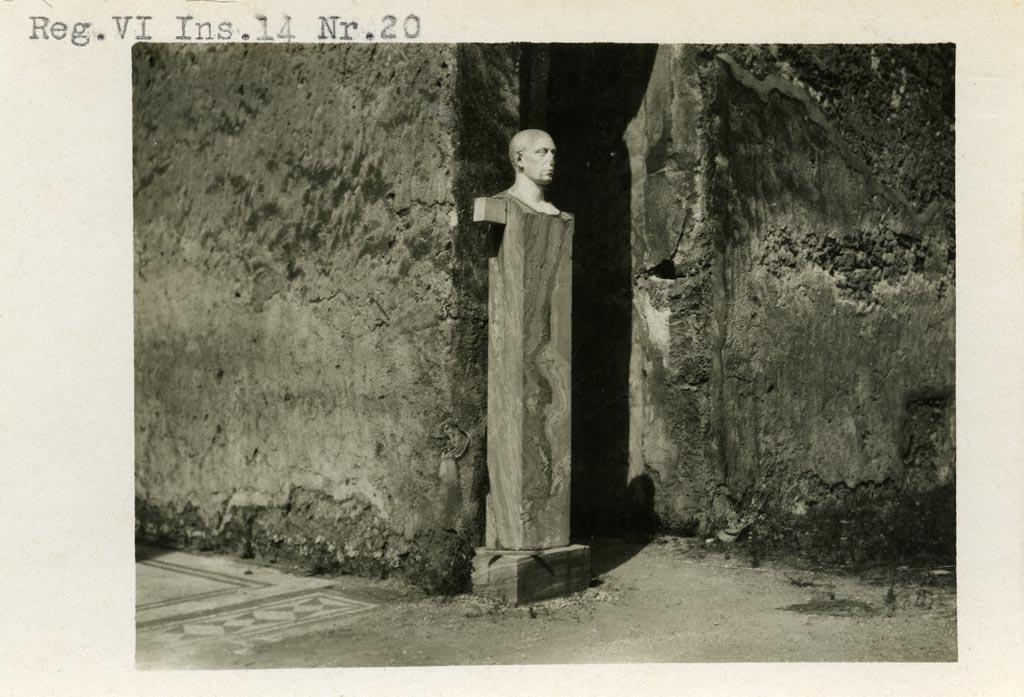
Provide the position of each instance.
(544, 353)
(440, 349)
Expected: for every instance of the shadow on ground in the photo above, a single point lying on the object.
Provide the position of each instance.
(608, 553)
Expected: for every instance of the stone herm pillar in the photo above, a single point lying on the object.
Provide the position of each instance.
(529, 392)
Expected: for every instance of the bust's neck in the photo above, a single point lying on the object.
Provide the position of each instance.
(527, 191)
(530, 193)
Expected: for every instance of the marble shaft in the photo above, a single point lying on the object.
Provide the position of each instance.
(529, 380)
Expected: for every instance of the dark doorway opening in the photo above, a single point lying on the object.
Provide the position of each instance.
(585, 95)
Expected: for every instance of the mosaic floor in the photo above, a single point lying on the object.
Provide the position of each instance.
(189, 598)
(165, 583)
(267, 615)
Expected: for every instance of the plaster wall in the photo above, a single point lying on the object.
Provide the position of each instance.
(309, 311)
(793, 305)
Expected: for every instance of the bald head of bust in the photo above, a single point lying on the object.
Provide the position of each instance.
(532, 153)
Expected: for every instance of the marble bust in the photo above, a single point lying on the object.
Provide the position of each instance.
(532, 153)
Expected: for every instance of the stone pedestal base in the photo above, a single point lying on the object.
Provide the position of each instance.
(520, 577)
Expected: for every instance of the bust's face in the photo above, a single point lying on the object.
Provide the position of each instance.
(537, 158)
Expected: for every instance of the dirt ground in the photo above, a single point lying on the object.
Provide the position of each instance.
(669, 600)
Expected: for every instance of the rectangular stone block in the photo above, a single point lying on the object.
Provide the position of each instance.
(490, 210)
(529, 381)
(526, 576)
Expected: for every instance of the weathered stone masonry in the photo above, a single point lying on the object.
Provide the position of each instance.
(763, 294)
(310, 313)
(794, 304)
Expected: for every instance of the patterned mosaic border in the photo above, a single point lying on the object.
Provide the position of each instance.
(233, 583)
(284, 611)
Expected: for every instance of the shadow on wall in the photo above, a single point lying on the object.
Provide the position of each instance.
(593, 92)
